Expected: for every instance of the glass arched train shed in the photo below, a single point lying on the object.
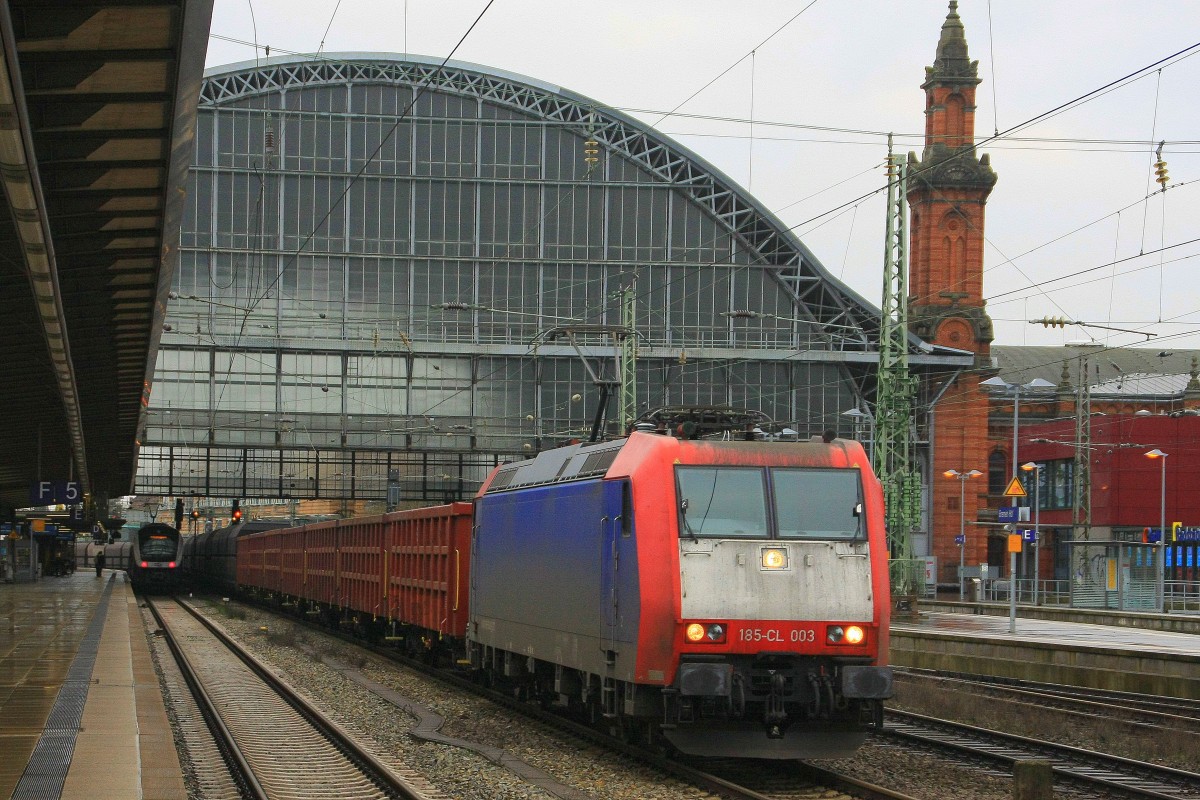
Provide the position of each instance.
(395, 271)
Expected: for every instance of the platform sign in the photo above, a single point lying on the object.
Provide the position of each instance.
(1015, 489)
(960, 539)
(1028, 534)
(45, 493)
(1183, 533)
(1007, 513)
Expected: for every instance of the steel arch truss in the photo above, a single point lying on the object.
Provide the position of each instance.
(848, 322)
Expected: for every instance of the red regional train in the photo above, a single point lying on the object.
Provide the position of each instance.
(729, 596)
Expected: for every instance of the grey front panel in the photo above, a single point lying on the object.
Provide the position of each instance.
(724, 579)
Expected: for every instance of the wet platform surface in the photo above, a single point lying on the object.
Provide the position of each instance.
(1072, 634)
(81, 712)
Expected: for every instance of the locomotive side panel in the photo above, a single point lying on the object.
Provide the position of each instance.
(555, 576)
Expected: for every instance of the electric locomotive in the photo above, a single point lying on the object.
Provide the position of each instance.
(730, 596)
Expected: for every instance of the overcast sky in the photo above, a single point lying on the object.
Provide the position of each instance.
(1075, 191)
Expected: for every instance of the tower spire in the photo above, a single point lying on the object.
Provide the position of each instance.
(951, 60)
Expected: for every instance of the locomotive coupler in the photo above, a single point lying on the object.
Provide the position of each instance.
(775, 716)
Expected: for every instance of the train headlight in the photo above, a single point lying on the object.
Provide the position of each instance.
(774, 558)
(705, 633)
(847, 634)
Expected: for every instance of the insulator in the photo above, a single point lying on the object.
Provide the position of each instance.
(1160, 170)
(269, 140)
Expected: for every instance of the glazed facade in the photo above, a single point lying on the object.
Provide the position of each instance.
(390, 268)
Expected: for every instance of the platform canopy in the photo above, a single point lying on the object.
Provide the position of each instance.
(98, 101)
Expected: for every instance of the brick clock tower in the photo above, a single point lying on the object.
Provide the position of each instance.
(948, 188)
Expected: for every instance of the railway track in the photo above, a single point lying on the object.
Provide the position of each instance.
(1163, 712)
(1097, 773)
(251, 712)
(724, 778)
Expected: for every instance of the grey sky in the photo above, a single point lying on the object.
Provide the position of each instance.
(858, 67)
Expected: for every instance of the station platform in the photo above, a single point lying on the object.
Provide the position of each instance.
(81, 711)
(1131, 653)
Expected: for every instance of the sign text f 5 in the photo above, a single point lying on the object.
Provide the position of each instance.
(45, 493)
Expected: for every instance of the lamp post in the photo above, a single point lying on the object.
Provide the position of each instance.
(1162, 531)
(1015, 388)
(962, 477)
(1036, 469)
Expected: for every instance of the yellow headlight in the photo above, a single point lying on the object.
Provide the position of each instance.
(695, 632)
(854, 634)
(774, 558)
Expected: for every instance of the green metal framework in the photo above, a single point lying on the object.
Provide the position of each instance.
(895, 429)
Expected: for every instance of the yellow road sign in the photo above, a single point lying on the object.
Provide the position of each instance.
(1015, 489)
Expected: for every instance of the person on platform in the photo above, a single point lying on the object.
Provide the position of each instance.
(99, 559)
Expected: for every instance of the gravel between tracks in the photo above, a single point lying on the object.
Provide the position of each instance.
(466, 776)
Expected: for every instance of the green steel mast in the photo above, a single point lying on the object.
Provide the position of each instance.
(628, 359)
(896, 388)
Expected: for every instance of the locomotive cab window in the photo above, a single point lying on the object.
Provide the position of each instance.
(724, 502)
(158, 548)
(818, 503)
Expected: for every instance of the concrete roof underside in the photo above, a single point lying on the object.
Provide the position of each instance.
(97, 115)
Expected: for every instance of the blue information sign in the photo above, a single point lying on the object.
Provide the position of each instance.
(960, 539)
(44, 493)
(1029, 534)
(1007, 513)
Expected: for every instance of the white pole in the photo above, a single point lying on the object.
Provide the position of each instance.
(1012, 593)
(962, 535)
(1162, 539)
(1037, 531)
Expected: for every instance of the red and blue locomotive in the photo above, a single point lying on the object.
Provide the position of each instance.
(728, 596)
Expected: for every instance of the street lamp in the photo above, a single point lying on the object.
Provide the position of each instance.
(962, 477)
(1036, 469)
(858, 415)
(1162, 530)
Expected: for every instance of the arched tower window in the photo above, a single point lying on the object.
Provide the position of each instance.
(955, 121)
(997, 472)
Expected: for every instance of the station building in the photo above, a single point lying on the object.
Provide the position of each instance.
(395, 275)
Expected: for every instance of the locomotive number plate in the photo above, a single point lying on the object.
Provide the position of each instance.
(780, 635)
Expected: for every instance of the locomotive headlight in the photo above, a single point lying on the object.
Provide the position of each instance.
(849, 634)
(774, 558)
(705, 633)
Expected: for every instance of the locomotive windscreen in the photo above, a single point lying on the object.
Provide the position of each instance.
(723, 501)
(817, 503)
(740, 502)
(157, 547)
